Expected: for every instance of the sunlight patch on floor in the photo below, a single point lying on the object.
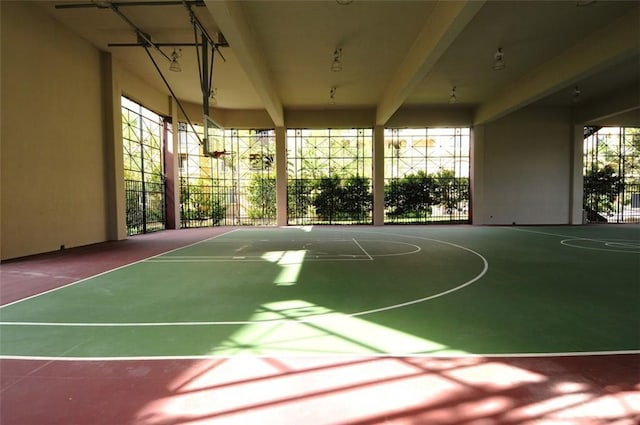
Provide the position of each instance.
(301, 327)
(317, 390)
(290, 262)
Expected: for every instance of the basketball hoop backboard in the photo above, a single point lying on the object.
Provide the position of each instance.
(214, 145)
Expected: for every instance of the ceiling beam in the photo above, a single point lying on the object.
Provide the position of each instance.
(442, 27)
(233, 24)
(594, 53)
(619, 102)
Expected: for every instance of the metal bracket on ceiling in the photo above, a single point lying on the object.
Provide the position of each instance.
(107, 4)
(207, 46)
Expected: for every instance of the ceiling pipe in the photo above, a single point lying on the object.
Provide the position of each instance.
(107, 4)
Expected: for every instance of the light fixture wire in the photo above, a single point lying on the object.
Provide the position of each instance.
(336, 65)
(498, 64)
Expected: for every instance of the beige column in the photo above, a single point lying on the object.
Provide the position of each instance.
(116, 202)
(172, 172)
(378, 175)
(576, 179)
(281, 176)
(477, 213)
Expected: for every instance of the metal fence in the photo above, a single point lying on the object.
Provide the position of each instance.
(329, 176)
(612, 175)
(329, 200)
(145, 206)
(237, 188)
(427, 175)
(619, 205)
(143, 134)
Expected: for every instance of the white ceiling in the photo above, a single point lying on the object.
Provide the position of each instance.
(394, 53)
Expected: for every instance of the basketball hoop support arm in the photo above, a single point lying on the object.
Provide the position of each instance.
(203, 46)
(205, 63)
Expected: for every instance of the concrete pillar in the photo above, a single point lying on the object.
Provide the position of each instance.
(281, 176)
(378, 175)
(116, 202)
(576, 180)
(172, 172)
(477, 211)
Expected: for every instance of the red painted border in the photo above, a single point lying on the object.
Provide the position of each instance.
(322, 390)
(23, 277)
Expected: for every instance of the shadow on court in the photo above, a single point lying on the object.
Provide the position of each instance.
(321, 389)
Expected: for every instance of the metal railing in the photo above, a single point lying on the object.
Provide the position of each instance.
(329, 200)
(145, 206)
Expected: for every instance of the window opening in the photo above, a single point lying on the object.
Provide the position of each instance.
(426, 175)
(237, 188)
(143, 132)
(329, 176)
(612, 174)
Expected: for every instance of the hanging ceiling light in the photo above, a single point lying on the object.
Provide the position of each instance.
(213, 96)
(498, 60)
(452, 98)
(175, 65)
(576, 94)
(332, 96)
(336, 65)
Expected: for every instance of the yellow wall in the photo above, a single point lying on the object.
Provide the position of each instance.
(236, 118)
(227, 118)
(447, 116)
(53, 170)
(330, 118)
(139, 91)
(61, 152)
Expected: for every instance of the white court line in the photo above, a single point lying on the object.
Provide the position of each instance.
(363, 250)
(111, 270)
(567, 242)
(206, 259)
(252, 259)
(140, 324)
(452, 354)
(485, 269)
(556, 234)
(568, 239)
(255, 258)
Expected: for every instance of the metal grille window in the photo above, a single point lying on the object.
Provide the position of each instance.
(238, 188)
(427, 175)
(612, 174)
(329, 176)
(142, 138)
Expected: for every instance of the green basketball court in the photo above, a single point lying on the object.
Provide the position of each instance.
(403, 290)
